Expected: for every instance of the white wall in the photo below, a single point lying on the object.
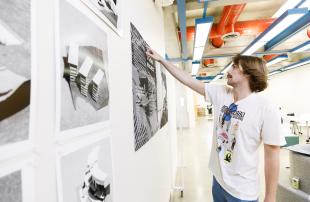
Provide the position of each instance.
(142, 176)
(181, 105)
(172, 126)
(190, 107)
(290, 90)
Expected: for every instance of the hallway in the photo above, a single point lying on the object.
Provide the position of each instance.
(196, 153)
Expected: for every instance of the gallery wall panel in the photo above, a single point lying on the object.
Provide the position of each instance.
(90, 56)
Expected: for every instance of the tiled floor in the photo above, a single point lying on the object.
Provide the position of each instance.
(196, 150)
(196, 143)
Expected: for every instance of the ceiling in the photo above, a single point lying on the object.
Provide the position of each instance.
(255, 14)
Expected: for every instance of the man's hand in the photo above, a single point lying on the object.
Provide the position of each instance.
(153, 54)
(179, 74)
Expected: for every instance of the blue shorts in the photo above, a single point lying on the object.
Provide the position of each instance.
(220, 195)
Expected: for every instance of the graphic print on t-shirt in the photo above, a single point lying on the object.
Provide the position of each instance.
(227, 130)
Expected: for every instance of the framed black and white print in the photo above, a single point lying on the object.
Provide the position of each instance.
(107, 10)
(16, 182)
(85, 172)
(82, 66)
(15, 70)
(11, 187)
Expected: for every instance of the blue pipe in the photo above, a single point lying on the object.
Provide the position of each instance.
(182, 22)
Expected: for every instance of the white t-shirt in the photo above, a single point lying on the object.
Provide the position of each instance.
(239, 129)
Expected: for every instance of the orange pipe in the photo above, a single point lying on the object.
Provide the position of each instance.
(190, 33)
(203, 74)
(269, 57)
(229, 18)
(224, 19)
(208, 61)
(252, 27)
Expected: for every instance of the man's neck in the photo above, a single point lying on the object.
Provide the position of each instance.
(241, 91)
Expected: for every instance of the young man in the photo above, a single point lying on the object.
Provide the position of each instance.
(242, 120)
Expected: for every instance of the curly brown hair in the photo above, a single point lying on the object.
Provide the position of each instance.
(256, 68)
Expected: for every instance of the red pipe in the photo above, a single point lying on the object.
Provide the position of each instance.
(229, 18)
(252, 27)
(308, 32)
(190, 33)
(208, 61)
(269, 57)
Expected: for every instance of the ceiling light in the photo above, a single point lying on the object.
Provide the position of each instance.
(276, 60)
(8, 36)
(274, 72)
(288, 5)
(303, 47)
(284, 21)
(304, 4)
(202, 30)
(225, 70)
(202, 27)
(219, 76)
(253, 48)
(297, 64)
(198, 52)
(291, 66)
(291, 31)
(195, 68)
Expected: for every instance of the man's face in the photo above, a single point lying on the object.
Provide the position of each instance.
(235, 76)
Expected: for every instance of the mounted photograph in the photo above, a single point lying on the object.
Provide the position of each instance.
(149, 89)
(108, 10)
(82, 66)
(15, 71)
(85, 174)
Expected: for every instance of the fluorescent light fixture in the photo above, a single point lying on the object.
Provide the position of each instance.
(202, 30)
(302, 47)
(219, 76)
(291, 66)
(225, 70)
(198, 52)
(276, 60)
(305, 4)
(253, 48)
(284, 21)
(274, 72)
(288, 5)
(195, 68)
(297, 64)
(8, 36)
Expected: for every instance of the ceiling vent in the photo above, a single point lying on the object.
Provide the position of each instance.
(230, 36)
